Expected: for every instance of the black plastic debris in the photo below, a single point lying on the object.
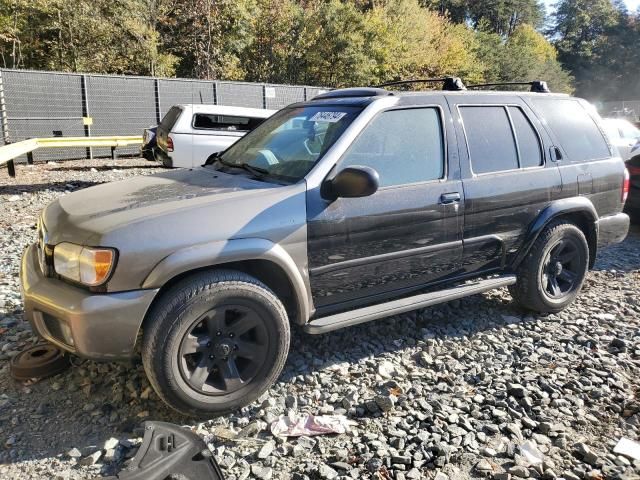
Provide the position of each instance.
(169, 451)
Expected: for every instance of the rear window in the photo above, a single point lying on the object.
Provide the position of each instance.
(576, 131)
(226, 123)
(170, 119)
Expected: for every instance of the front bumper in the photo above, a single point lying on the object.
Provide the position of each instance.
(99, 326)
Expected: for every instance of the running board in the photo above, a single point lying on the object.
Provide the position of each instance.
(374, 312)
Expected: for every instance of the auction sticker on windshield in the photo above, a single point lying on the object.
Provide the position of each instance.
(331, 117)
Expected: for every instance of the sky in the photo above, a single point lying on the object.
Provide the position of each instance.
(631, 4)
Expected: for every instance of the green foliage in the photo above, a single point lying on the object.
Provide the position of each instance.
(498, 16)
(317, 42)
(597, 40)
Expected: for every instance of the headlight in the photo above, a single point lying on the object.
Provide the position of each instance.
(86, 265)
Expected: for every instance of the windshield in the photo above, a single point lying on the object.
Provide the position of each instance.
(629, 131)
(289, 144)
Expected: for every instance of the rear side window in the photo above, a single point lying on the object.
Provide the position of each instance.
(492, 147)
(229, 123)
(170, 118)
(529, 148)
(576, 131)
(403, 146)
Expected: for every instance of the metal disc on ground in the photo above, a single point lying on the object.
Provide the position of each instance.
(39, 361)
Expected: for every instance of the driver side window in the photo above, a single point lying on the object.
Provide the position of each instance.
(403, 146)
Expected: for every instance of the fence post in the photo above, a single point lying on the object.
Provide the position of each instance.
(156, 90)
(4, 121)
(85, 113)
(215, 93)
(264, 96)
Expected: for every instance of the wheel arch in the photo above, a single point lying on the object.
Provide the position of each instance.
(577, 210)
(266, 261)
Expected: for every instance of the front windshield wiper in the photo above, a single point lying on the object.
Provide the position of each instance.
(256, 171)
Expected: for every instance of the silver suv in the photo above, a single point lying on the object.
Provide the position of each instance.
(357, 205)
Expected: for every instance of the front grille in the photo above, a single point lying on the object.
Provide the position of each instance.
(45, 251)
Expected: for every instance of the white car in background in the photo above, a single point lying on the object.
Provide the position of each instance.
(189, 134)
(624, 135)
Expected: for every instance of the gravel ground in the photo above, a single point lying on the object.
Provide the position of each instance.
(452, 391)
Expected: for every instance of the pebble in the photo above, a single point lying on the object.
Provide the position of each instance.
(448, 392)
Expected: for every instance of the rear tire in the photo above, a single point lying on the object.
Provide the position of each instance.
(551, 275)
(215, 342)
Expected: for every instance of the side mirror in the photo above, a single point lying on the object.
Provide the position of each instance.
(352, 182)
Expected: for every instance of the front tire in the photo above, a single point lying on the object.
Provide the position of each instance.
(552, 274)
(215, 342)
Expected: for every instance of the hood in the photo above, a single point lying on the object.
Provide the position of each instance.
(150, 217)
(104, 208)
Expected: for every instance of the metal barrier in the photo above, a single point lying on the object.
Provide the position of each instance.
(8, 153)
(37, 104)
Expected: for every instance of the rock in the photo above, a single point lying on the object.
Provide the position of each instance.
(327, 472)
(266, 450)
(111, 443)
(441, 476)
(519, 471)
(385, 402)
(306, 442)
(262, 473)
(74, 453)
(517, 390)
(586, 454)
(483, 466)
(91, 459)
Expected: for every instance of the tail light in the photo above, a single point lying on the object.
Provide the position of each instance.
(625, 185)
(169, 143)
(633, 170)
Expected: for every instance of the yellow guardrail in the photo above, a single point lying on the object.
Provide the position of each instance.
(9, 152)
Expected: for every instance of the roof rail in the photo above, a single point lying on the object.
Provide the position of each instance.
(352, 92)
(537, 86)
(448, 83)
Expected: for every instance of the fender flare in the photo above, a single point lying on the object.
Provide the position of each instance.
(555, 209)
(212, 254)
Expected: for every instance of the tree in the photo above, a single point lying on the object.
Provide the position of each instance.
(497, 16)
(597, 42)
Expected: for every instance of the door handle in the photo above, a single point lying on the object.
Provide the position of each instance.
(449, 198)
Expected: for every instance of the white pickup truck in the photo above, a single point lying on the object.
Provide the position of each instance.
(189, 134)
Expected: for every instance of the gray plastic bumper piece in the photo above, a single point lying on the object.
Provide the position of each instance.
(169, 451)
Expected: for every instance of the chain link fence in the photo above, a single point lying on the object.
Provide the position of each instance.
(629, 109)
(52, 104)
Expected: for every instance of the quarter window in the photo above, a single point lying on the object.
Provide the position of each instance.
(577, 133)
(403, 146)
(529, 149)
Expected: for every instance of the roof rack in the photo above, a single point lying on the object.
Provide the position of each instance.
(537, 86)
(448, 83)
(353, 92)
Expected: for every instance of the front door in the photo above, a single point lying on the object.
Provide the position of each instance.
(408, 233)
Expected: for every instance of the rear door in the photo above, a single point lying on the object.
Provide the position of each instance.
(406, 234)
(507, 178)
